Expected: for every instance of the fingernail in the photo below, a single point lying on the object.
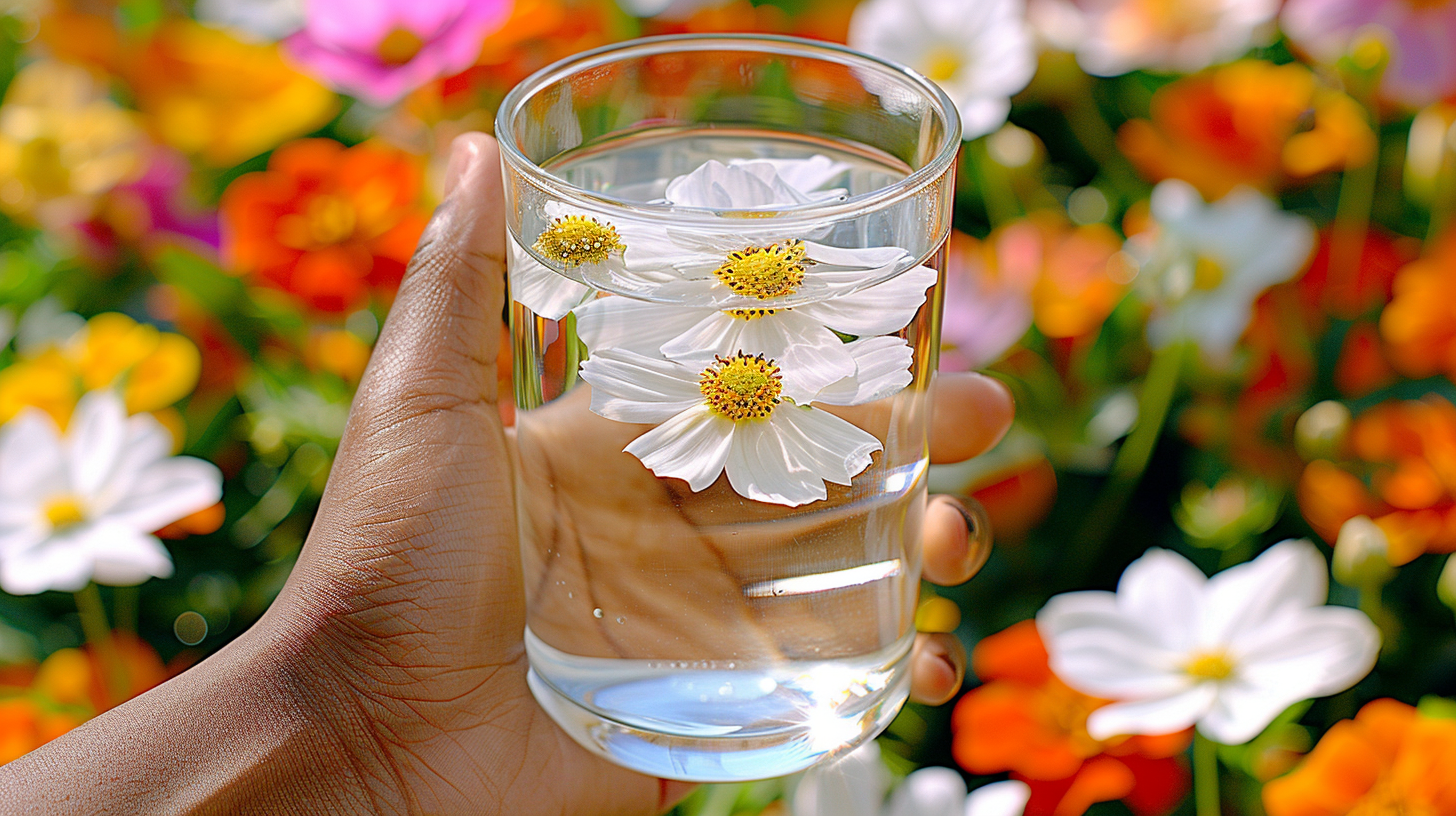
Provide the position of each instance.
(978, 529)
(463, 153)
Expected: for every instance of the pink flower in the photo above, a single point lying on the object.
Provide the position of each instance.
(1419, 33)
(380, 50)
(984, 314)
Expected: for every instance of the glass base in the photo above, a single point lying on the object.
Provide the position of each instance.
(700, 722)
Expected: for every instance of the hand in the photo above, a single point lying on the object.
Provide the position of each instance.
(390, 674)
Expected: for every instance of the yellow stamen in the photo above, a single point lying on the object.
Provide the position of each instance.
(1207, 274)
(331, 219)
(943, 63)
(574, 240)
(750, 314)
(63, 511)
(764, 272)
(1210, 666)
(741, 387)
(399, 46)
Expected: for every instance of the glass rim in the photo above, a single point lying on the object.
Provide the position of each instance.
(809, 214)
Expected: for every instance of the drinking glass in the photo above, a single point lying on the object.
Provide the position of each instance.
(725, 264)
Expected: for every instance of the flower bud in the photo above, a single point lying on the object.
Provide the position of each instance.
(1226, 514)
(1446, 584)
(1320, 432)
(1361, 554)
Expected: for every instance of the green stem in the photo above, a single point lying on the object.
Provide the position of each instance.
(98, 634)
(994, 184)
(1205, 775)
(573, 351)
(1352, 220)
(1096, 135)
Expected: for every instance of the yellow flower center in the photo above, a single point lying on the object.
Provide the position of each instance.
(750, 314)
(1207, 274)
(574, 240)
(1210, 666)
(764, 272)
(399, 46)
(331, 219)
(943, 63)
(741, 387)
(63, 511)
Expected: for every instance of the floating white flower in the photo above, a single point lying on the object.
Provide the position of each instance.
(798, 337)
(1113, 37)
(1204, 265)
(856, 784)
(745, 184)
(588, 245)
(745, 415)
(82, 506)
(979, 51)
(1227, 653)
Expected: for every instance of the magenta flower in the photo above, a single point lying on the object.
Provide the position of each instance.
(1420, 34)
(380, 50)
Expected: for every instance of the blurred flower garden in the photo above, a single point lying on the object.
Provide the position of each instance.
(1209, 244)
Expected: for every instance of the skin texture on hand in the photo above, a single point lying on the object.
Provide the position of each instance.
(390, 674)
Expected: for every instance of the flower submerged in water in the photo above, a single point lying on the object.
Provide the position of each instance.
(1228, 653)
(1204, 265)
(746, 415)
(81, 507)
(745, 184)
(581, 244)
(979, 51)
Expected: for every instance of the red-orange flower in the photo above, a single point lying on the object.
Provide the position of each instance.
(1403, 477)
(1388, 760)
(1027, 721)
(327, 223)
(1250, 122)
(1419, 324)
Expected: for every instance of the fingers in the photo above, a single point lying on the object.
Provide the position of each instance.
(970, 414)
(937, 667)
(956, 540)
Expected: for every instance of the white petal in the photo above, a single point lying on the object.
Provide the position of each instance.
(1159, 715)
(809, 355)
(929, 792)
(56, 562)
(547, 293)
(123, 557)
(147, 443)
(1096, 647)
(858, 258)
(853, 785)
(1164, 589)
(635, 325)
(758, 467)
(1007, 798)
(817, 440)
(692, 446)
(94, 440)
(804, 175)
(32, 458)
(736, 186)
(882, 369)
(165, 492)
(1247, 596)
(630, 387)
(884, 308)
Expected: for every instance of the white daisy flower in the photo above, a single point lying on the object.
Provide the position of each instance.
(1228, 653)
(81, 506)
(1204, 265)
(798, 337)
(856, 785)
(745, 415)
(746, 184)
(1113, 37)
(581, 244)
(978, 51)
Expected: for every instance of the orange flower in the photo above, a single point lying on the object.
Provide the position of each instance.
(327, 223)
(1250, 122)
(1406, 451)
(1027, 721)
(1420, 321)
(27, 723)
(1388, 760)
(209, 94)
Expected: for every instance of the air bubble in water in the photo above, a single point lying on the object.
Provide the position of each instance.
(596, 613)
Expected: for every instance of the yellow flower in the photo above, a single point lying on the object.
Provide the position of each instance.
(62, 143)
(224, 100)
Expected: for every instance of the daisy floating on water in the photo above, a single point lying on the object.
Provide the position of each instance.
(744, 184)
(745, 415)
(583, 244)
(81, 507)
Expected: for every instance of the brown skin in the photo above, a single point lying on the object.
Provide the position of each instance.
(389, 676)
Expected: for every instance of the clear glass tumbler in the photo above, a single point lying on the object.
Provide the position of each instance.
(726, 257)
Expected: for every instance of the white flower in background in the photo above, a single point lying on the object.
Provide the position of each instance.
(745, 415)
(746, 184)
(799, 337)
(265, 20)
(855, 785)
(1227, 653)
(654, 8)
(979, 51)
(1113, 37)
(1204, 265)
(82, 506)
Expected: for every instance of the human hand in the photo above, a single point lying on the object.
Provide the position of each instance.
(403, 619)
